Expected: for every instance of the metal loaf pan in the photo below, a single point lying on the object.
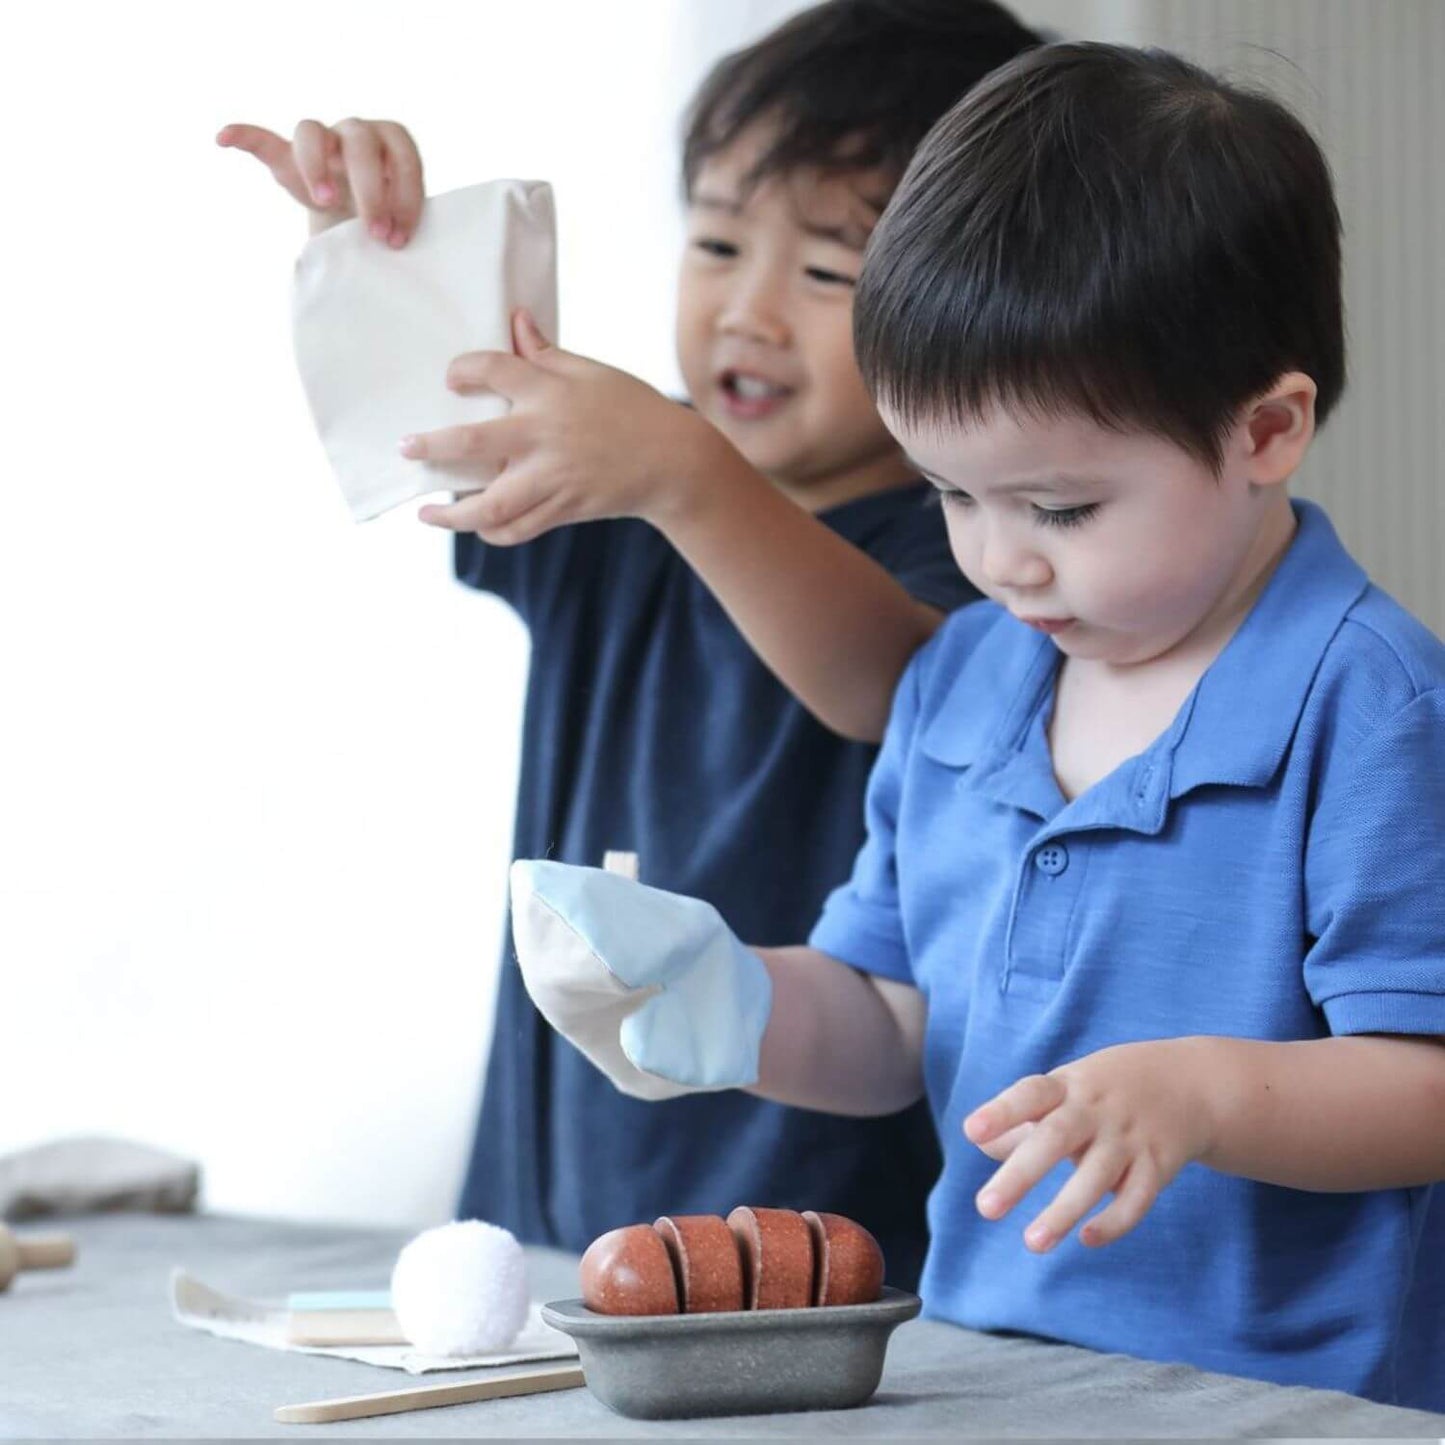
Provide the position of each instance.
(744, 1362)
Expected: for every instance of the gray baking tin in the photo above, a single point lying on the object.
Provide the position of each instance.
(743, 1362)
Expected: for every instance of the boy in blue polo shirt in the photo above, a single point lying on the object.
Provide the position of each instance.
(699, 647)
(1152, 904)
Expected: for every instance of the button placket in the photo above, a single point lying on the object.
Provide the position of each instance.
(1047, 891)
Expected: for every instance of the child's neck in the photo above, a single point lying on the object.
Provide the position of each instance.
(881, 473)
(1105, 713)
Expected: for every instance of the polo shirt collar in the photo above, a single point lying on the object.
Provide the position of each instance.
(1245, 708)
(1233, 729)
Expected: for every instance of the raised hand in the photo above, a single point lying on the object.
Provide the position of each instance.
(365, 168)
(582, 441)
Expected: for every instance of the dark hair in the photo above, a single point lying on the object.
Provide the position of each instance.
(1111, 232)
(849, 84)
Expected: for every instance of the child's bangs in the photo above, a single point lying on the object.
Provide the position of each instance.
(932, 350)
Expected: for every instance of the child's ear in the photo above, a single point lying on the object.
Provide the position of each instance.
(1278, 429)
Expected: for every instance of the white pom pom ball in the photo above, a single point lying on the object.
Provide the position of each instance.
(461, 1289)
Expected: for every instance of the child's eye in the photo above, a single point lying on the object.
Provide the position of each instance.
(714, 247)
(1064, 516)
(829, 278)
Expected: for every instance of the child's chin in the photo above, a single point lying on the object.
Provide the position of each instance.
(781, 462)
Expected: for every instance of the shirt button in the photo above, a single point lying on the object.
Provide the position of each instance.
(1052, 859)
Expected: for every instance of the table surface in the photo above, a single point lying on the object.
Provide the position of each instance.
(93, 1351)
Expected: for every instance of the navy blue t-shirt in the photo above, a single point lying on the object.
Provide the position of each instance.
(652, 727)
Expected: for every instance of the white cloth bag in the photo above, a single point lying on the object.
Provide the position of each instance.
(375, 329)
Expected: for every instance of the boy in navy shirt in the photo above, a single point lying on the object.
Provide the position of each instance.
(1150, 908)
(714, 653)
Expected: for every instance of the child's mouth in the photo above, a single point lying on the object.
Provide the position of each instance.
(748, 397)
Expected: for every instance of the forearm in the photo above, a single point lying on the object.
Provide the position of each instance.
(837, 1040)
(827, 620)
(1342, 1114)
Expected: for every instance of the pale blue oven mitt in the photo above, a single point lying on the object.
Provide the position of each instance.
(652, 986)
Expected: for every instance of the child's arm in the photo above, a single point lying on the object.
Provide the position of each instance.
(660, 994)
(1352, 1113)
(585, 441)
(837, 1040)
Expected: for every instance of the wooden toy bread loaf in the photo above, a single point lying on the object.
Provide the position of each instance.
(755, 1259)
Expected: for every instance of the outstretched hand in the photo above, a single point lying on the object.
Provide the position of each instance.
(365, 168)
(1129, 1118)
(582, 441)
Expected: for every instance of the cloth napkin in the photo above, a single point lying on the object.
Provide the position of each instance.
(264, 1323)
(374, 330)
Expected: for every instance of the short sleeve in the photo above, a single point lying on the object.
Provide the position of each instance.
(862, 922)
(1375, 880)
(528, 575)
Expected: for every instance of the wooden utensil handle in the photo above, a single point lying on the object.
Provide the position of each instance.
(45, 1251)
(427, 1397)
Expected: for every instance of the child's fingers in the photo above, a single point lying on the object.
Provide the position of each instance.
(1029, 1099)
(528, 339)
(315, 148)
(485, 446)
(1001, 1147)
(272, 150)
(532, 511)
(405, 185)
(1133, 1199)
(268, 147)
(1099, 1172)
(497, 371)
(364, 161)
(457, 516)
(1056, 1137)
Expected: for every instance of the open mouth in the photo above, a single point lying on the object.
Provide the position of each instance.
(749, 397)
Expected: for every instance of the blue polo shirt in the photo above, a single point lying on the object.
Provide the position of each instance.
(1272, 867)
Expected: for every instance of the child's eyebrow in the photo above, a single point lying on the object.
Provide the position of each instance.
(852, 234)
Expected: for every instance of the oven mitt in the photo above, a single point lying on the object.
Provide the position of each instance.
(651, 986)
(375, 330)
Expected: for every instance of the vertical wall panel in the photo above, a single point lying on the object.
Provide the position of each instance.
(1367, 76)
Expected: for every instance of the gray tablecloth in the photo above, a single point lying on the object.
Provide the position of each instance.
(93, 1351)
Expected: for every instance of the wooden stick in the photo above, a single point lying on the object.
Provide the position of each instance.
(45, 1251)
(426, 1397)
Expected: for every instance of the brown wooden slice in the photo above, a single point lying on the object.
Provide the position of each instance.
(706, 1260)
(848, 1266)
(777, 1255)
(628, 1272)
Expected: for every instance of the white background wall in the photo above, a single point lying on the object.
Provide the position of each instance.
(256, 763)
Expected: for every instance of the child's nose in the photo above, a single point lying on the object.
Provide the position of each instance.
(1011, 563)
(756, 310)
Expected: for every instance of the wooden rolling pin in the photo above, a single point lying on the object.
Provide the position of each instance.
(36, 1251)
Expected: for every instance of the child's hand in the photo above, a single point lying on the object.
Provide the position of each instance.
(1130, 1117)
(582, 441)
(369, 168)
